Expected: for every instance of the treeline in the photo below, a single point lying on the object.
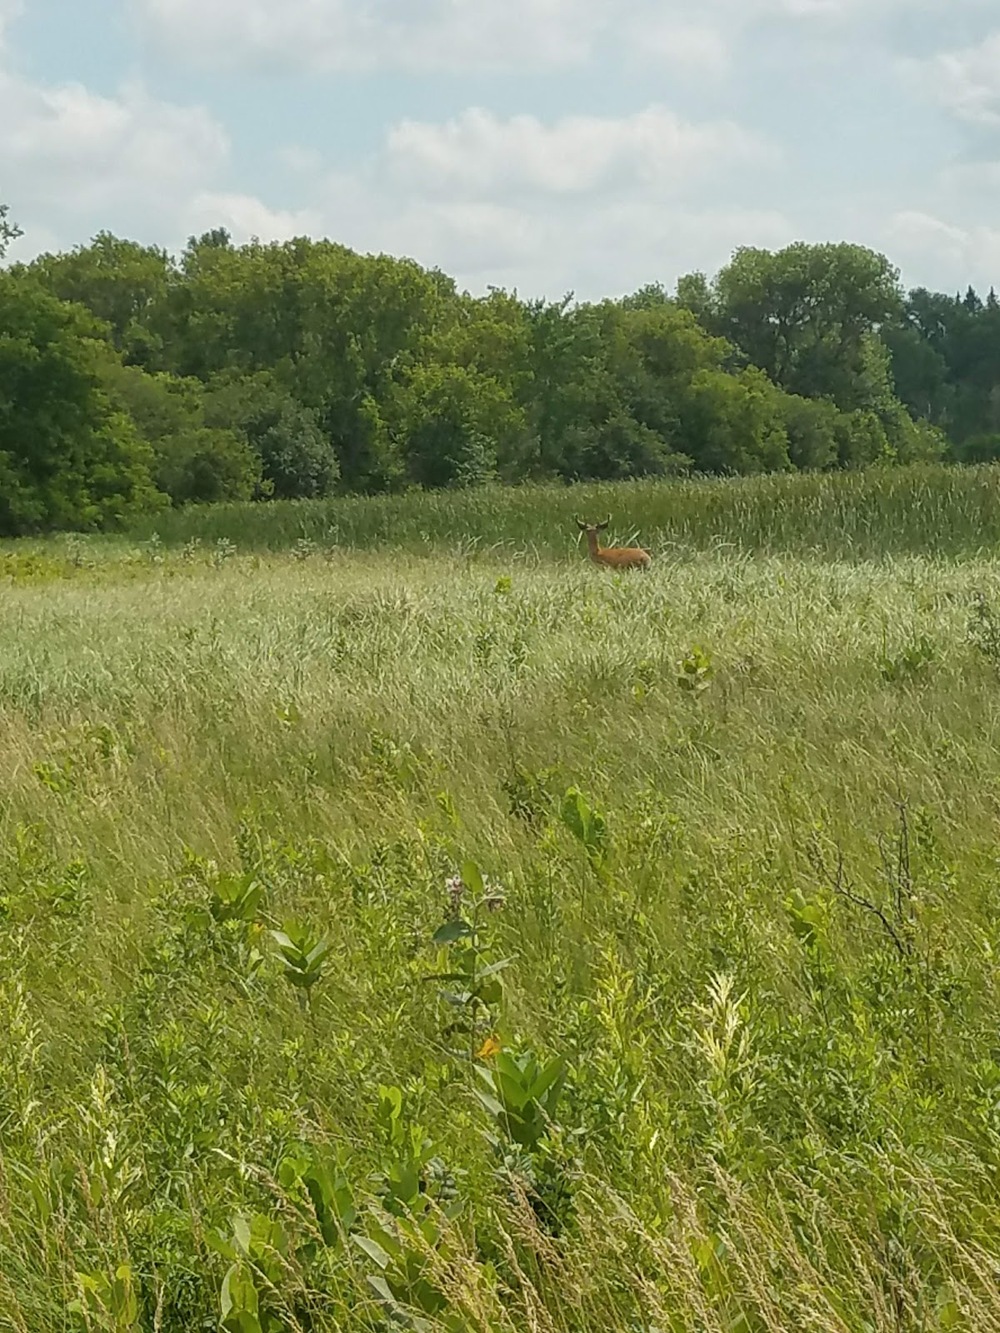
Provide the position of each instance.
(130, 379)
(946, 363)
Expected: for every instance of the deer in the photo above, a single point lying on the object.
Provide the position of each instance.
(615, 557)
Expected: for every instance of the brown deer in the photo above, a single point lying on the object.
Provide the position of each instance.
(623, 557)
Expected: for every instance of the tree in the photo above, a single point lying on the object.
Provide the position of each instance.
(608, 381)
(734, 423)
(945, 354)
(564, 353)
(199, 465)
(452, 423)
(919, 373)
(9, 231)
(980, 449)
(337, 329)
(118, 281)
(694, 293)
(69, 457)
(655, 351)
(491, 337)
(811, 425)
(647, 297)
(297, 460)
(193, 461)
(293, 369)
(861, 439)
(805, 315)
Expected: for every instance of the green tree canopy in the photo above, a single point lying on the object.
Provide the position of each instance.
(295, 369)
(804, 315)
(69, 456)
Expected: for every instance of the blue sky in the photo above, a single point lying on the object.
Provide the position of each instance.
(548, 145)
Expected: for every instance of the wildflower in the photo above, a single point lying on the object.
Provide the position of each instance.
(456, 890)
(490, 1047)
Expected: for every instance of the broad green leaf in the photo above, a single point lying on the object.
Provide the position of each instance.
(373, 1250)
(451, 931)
(553, 1071)
(241, 1234)
(473, 879)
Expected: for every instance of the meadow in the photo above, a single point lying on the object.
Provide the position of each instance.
(405, 923)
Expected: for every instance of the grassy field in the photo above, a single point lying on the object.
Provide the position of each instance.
(851, 515)
(430, 930)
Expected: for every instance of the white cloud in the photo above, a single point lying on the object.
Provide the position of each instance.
(545, 246)
(916, 231)
(960, 254)
(459, 35)
(593, 204)
(966, 81)
(477, 243)
(589, 203)
(847, 9)
(364, 34)
(478, 153)
(596, 204)
(245, 217)
(70, 158)
(9, 10)
(699, 48)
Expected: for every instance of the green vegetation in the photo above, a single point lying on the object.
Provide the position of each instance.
(841, 516)
(303, 371)
(404, 923)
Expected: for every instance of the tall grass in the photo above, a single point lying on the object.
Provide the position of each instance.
(743, 813)
(926, 509)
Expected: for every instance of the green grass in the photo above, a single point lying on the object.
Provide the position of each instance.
(917, 510)
(758, 920)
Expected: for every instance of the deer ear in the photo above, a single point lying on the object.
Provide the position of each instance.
(606, 523)
(581, 525)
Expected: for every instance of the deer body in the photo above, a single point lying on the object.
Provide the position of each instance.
(615, 557)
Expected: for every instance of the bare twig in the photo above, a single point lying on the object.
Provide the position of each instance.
(842, 888)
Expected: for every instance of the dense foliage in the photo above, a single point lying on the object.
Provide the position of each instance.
(304, 369)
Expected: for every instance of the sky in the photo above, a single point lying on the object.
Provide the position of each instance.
(548, 146)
